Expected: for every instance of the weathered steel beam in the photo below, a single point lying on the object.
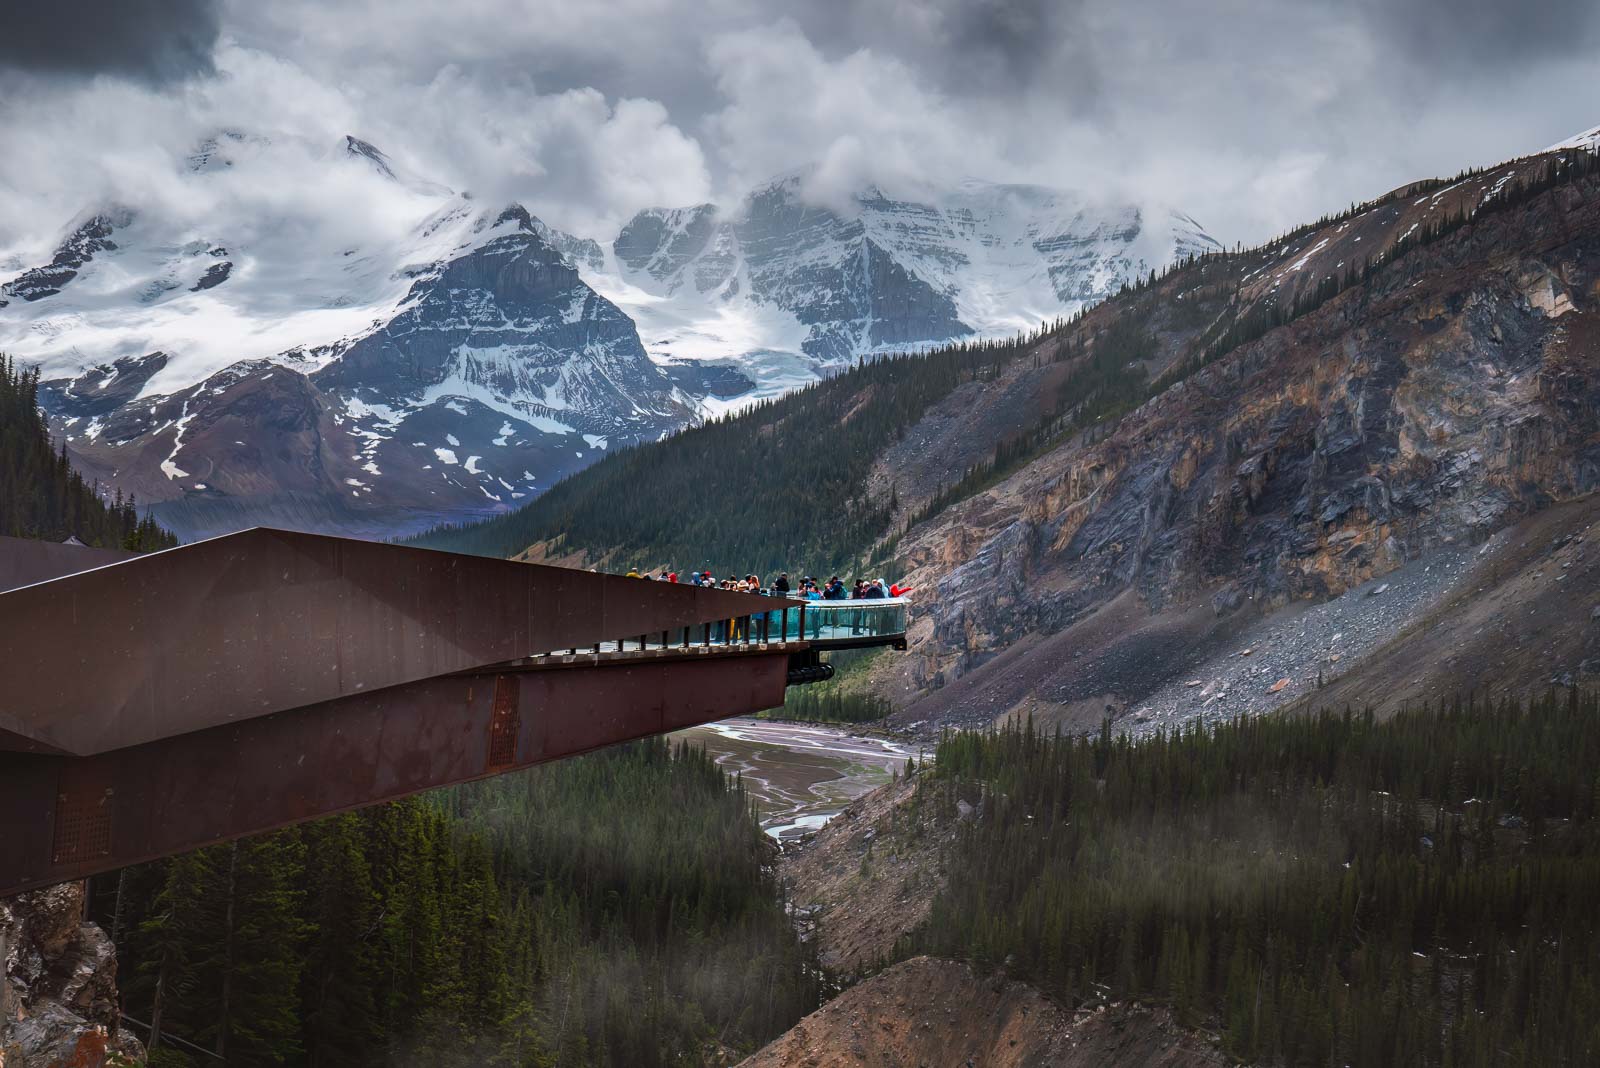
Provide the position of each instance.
(263, 621)
(24, 561)
(67, 817)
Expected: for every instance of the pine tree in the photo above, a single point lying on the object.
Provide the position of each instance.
(341, 972)
(41, 495)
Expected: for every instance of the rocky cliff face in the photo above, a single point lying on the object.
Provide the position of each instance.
(59, 977)
(89, 237)
(1453, 393)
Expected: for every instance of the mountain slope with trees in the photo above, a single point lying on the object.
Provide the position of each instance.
(1447, 394)
(1332, 887)
(41, 495)
(783, 482)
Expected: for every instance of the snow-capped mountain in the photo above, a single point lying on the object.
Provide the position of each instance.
(241, 364)
(1588, 139)
(250, 377)
(780, 274)
(500, 372)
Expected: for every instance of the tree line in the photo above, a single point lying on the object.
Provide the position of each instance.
(1319, 889)
(827, 703)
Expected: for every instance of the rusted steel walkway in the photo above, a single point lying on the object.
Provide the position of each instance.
(154, 704)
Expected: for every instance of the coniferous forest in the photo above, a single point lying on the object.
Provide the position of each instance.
(41, 496)
(612, 909)
(822, 703)
(838, 700)
(1322, 889)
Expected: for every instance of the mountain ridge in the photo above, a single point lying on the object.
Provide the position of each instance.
(145, 329)
(1249, 432)
(982, 258)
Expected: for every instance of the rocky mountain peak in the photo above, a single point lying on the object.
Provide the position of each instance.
(579, 252)
(85, 240)
(501, 370)
(369, 152)
(890, 272)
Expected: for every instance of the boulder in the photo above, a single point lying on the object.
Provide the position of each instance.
(60, 989)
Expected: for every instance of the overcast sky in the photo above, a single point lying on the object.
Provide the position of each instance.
(1252, 115)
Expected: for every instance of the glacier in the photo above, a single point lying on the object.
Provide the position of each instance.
(793, 289)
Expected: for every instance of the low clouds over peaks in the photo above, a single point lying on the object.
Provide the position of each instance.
(1251, 116)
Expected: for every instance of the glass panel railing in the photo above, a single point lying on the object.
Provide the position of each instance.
(824, 621)
(833, 620)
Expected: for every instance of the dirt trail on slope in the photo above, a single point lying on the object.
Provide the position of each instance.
(937, 1013)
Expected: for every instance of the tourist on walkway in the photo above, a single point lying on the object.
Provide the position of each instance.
(808, 587)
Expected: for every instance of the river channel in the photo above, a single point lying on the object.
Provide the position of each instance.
(800, 775)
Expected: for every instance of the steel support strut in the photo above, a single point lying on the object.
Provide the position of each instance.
(70, 817)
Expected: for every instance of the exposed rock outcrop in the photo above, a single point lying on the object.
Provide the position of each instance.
(89, 237)
(59, 976)
(927, 1011)
(1453, 393)
(869, 877)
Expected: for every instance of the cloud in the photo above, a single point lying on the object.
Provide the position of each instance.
(863, 118)
(1458, 38)
(574, 157)
(155, 43)
(1253, 115)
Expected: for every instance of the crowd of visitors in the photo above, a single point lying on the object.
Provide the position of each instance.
(807, 589)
